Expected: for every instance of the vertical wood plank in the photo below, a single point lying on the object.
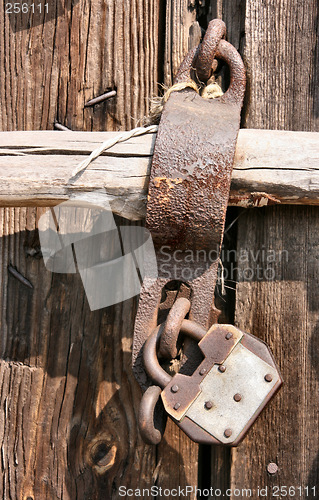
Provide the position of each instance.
(69, 400)
(284, 312)
(83, 49)
(281, 59)
(182, 33)
(232, 12)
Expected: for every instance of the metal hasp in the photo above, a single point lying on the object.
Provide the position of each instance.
(187, 201)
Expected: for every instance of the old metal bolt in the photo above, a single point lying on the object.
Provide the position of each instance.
(268, 377)
(177, 406)
(272, 468)
(237, 397)
(203, 371)
(222, 368)
(228, 336)
(228, 433)
(175, 388)
(208, 405)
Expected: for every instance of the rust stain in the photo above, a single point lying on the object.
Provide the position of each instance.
(170, 182)
(250, 200)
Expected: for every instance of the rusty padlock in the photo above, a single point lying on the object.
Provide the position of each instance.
(187, 201)
(221, 400)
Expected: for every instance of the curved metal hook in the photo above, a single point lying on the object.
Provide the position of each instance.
(152, 424)
(228, 53)
(151, 363)
(236, 90)
(173, 323)
(206, 54)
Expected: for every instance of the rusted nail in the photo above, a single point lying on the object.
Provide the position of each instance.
(228, 336)
(100, 98)
(208, 405)
(268, 377)
(237, 397)
(177, 405)
(222, 368)
(272, 468)
(228, 433)
(174, 388)
(203, 371)
(58, 126)
(12, 270)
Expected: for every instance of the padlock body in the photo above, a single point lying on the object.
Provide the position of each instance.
(229, 389)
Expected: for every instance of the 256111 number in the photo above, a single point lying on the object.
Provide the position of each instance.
(294, 491)
(24, 8)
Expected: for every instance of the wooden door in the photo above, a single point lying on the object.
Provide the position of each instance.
(69, 401)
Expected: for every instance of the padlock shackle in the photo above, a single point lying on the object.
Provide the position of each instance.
(152, 366)
(151, 363)
(152, 424)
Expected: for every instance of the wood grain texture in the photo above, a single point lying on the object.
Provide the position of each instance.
(233, 14)
(82, 50)
(182, 33)
(281, 55)
(68, 415)
(280, 305)
(281, 35)
(69, 400)
(36, 169)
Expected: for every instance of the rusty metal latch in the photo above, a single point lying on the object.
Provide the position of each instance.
(188, 196)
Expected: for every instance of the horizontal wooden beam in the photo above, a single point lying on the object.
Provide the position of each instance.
(36, 168)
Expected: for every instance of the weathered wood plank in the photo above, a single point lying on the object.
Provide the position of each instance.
(69, 400)
(36, 169)
(182, 33)
(281, 306)
(277, 300)
(80, 51)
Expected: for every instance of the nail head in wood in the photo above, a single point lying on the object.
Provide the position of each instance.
(272, 468)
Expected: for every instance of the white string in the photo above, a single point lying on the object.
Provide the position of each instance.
(111, 142)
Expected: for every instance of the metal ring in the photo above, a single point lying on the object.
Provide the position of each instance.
(236, 90)
(173, 323)
(152, 424)
(206, 53)
(229, 54)
(151, 363)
